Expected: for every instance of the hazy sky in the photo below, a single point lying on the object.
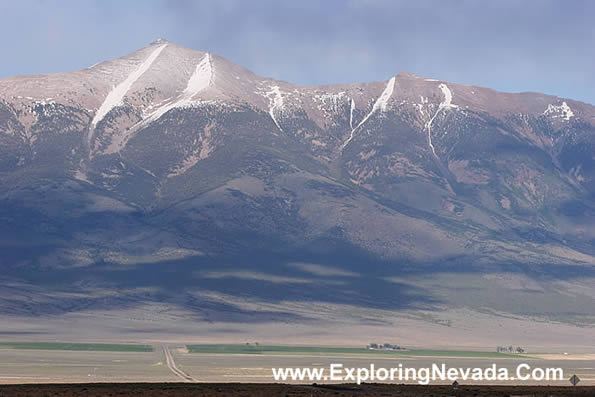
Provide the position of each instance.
(524, 45)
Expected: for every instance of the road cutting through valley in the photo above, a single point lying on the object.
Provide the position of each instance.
(172, 366)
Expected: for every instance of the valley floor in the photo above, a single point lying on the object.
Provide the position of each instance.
(168, 363)
(312, 324)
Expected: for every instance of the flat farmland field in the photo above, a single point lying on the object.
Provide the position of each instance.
(209, 367)
(110, 363)
(56, 366)
(347, 351)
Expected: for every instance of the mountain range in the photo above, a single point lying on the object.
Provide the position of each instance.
(172, 175)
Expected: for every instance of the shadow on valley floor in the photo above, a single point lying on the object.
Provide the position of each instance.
(336, 275)
(215, 288)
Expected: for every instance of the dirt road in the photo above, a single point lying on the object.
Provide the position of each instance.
(172, 366)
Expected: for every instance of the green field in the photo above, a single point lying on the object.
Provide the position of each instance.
(105, 347)
(266, 349)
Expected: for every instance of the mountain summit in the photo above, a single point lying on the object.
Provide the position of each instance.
(171, 158)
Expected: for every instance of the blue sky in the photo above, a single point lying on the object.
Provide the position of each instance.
(530, 45)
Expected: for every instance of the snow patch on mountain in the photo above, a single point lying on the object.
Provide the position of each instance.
(445, 104)
(351, 109)
(276, 104)
(116, 95)
(562, 111)
(380, 104)
(384, 97)
(331, 104)
(200, 79)
(332, 98)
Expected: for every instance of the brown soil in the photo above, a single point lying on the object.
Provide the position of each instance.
(262, 390)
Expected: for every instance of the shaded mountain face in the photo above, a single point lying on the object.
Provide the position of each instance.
(171, 158)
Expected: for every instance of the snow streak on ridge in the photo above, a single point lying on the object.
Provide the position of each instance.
(351, 113)
(201, 78)
(384, 97)
(277, 104)
(380, 103)
(445, 104)
(117, 94)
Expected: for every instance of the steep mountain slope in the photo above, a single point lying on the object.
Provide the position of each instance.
(171, 158)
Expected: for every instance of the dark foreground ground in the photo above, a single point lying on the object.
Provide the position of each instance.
(249, 390)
